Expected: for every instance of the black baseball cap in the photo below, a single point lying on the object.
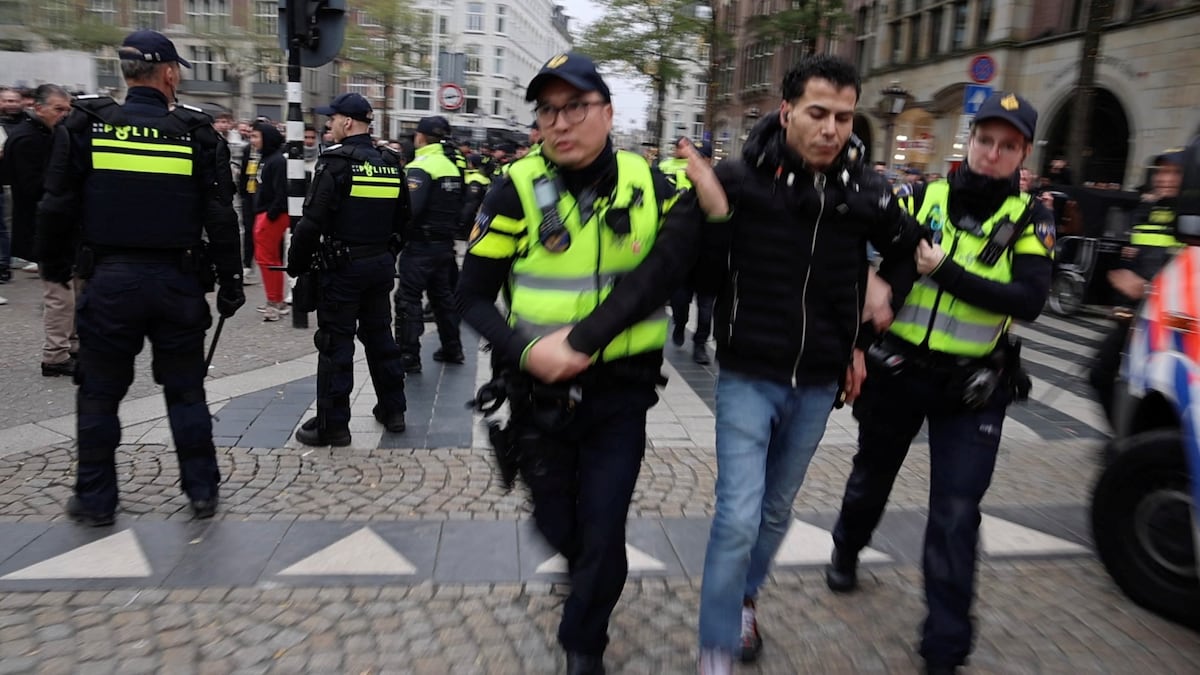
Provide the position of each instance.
(152, 46)
(1175, 156)
(575, 69)
(434, 125)
(1011, 108)
(351, 105)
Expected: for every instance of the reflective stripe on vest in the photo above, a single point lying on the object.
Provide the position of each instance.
(372, 181)
(138, 157)
(1158, 232)
(551, 290)
(935, 318)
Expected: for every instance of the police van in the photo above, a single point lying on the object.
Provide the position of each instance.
(1146, 504)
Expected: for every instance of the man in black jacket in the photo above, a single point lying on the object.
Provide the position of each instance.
(26, 154)
(270, 216)
(789, 268)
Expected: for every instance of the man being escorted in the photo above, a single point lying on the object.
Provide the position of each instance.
(146, 269)
(789, 267)
(555, 236)
(354, 214)
(947, 359)
(427, 262)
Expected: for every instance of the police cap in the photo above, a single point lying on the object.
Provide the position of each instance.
(575, 69)
(152, 46)
(434, 125)
(351, 105)
(1011, 108)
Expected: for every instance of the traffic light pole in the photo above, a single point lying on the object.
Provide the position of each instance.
(295, 134)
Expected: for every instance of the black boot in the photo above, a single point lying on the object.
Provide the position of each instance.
(450, 355)
(841, 574)
(80, 514)
(678, 336)
(392, 421)
(310, 433)
(204, 509)
(584, 664)
(411, 363)
(700, 354)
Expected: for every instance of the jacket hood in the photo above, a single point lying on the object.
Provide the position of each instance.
(272, 139)
(766, 147)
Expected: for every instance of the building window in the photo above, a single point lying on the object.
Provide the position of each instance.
(106, 64)
(266, 17)
(471, 93)
(12, 12)
(367, 20)
(863, 47)
(103, 11)
(985, 22)
(474, 62)
(914, 38)
(698, 126)
(207, 65)
(207, 16)
(501, 19)
(897, 45)
(702, 91)
(271, 67)
(443, 25)
(416, 96)
(959, 39)
(499, 61)
(758, 71)
(56, 13)
(148, 15)
(497, 101)
(475, 17)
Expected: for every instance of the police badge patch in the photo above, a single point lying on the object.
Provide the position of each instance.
(482, 222)
(1045, 234)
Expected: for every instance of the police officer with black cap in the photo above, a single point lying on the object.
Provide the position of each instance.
(354, 215)
(146, 269)
(947, 359)
(427, 263)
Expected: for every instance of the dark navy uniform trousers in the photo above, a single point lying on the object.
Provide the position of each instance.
(355, 300)
(962, 445)
(123, 305)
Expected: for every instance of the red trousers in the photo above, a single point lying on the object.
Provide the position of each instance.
(268, 252)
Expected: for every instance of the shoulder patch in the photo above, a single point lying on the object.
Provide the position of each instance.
(414, 182)
(191, 107)
(483, 222)
(1045, 234)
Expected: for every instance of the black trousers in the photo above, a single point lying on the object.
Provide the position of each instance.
(354, 301)
(1106, 366)
(681, 302)
(122, 306)
(248, 231)
(963, 445)
(581, 480)
(427, 267)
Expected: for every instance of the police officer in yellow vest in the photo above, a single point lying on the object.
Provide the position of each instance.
(1152, 243)
(354, 214)
(477, 186)
(140, 185)
(556, 236)
(427, 263)
(947, 359)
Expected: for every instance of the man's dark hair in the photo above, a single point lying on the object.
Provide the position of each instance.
(837, 71)
(137, 70)
(43, 93)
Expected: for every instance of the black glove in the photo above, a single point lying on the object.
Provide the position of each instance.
(230, 297)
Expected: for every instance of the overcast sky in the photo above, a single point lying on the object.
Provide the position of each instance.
(629, 96)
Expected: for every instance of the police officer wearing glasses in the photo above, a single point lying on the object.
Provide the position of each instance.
(146, 269)
(947, 359)
(556, 235)
(354, 214)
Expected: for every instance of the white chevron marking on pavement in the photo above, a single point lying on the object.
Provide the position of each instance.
(806, 544)
(639, 561)
(1001, 537)
(361, 553)
(116, 556)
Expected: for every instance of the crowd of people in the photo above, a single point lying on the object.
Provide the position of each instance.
(585, 244)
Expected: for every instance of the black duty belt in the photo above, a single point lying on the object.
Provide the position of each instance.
(933, 361)
(141, 256)
(359, 251)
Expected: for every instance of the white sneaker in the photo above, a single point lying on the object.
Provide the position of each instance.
(282, 308)
(271, 314)
(3, 301)
(248, 277)
(715, 662)
(32, 268)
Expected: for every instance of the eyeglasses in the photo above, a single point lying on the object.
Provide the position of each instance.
(573, 112)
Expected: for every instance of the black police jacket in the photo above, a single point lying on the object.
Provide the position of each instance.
(139, 209)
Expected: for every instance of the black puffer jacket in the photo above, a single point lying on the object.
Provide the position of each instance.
(791, 269)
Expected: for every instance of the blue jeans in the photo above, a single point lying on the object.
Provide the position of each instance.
(766, 436)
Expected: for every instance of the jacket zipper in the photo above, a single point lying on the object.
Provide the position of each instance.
(819, 184)
(733, 304)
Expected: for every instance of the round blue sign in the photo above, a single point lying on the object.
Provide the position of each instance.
(983, 69)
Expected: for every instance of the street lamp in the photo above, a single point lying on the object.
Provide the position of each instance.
(892, 104)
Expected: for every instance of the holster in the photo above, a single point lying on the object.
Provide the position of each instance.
(198, 261)
(307, 292)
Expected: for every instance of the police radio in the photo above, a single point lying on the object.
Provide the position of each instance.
(1003, 235)
(551, 233)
